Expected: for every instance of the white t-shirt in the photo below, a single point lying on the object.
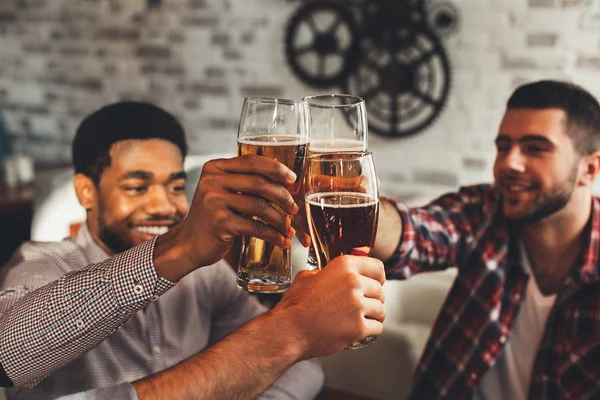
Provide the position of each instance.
(510, 376)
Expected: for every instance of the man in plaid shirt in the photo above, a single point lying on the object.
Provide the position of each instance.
(522, 319)
(173, 301)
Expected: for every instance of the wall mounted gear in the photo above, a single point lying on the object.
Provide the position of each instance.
(390, 52)
(321, 44)
(404, 86)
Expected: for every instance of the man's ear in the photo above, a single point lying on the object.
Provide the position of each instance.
(86, 191)
(591, 169)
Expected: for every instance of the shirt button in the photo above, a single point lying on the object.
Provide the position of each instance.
(156, 349)
(80, 324)
(502, 339)
(154, 297)
(138, 289)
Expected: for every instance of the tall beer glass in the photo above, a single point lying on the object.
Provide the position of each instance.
(335, 122)
(272, 128)
(342, 207)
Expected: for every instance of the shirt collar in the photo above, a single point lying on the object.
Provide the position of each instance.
(587, 271)
(94, 253)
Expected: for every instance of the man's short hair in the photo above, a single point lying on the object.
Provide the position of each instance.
(582, 109)
(116, 122)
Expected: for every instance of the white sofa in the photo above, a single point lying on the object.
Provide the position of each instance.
(382, 370)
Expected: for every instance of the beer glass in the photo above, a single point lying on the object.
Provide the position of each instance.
(272, 128)
(335, 122)
(342, 207)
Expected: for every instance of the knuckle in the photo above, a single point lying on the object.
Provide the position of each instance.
(259, 183)
(257, 228)
(220, 216)
(260, 205)
(250, 159)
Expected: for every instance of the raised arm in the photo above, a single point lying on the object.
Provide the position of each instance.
(44, 326)
(436, 236)
(319, 315)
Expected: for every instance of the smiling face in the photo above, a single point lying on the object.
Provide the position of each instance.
(537, 167)
(139, 195)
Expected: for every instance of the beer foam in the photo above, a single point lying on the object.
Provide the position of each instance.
(319, 199)
(335, 145)
(274, 139)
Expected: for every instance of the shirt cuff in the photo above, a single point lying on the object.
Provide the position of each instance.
(134, 277)
(396, 267)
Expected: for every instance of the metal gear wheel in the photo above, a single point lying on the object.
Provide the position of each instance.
(405, 83)
(321, 43)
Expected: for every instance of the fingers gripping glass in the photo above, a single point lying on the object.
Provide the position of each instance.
(272, 128)
(342, 207)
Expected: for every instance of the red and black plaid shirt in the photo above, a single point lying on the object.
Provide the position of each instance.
(467, 229)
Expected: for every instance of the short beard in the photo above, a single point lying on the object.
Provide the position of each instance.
(550, 204)
(111, 239)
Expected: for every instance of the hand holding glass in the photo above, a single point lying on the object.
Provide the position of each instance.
(342, 207)
(270, 128)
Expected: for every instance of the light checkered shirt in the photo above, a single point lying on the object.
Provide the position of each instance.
(61, 338)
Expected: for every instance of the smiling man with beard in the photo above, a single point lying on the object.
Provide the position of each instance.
(119, 312)
(522, 319)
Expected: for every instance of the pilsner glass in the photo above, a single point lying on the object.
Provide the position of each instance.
(335, 123)
(272, 128)
(342, 207)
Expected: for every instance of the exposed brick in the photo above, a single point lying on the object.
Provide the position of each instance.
(7, 17)
(73, 51)
(191, 104)
(118, 33)
(224, 124)
(543, 3)
(150, 51)
(149, 69)
(215, 73)
(474, 163)
(247, 38)
(262, 91)
(174, 70)
(577, 3)
(195, 4)
(176, 37)
(523, 62)
(220, 39)
(89, 84)
(588, 62)
(207, 22)
(232, 55)
(36, 48)
(541, 39)
(436, 177)
(205, 89)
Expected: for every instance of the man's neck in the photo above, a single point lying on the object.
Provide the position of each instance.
(555, 244)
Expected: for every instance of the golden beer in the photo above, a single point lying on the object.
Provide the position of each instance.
(263, 267)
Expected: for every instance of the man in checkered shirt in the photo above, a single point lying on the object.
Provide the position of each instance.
(121, 313)
(522, 319)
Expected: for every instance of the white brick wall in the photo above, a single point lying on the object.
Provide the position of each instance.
(199, 58)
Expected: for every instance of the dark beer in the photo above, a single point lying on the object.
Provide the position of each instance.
(343, 223)
(322, 146)
(263, 266)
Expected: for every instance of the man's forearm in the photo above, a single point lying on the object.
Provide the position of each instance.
(240, 366)
(389, 231)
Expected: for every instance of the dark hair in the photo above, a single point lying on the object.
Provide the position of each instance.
(582, 109)
(121, 121)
